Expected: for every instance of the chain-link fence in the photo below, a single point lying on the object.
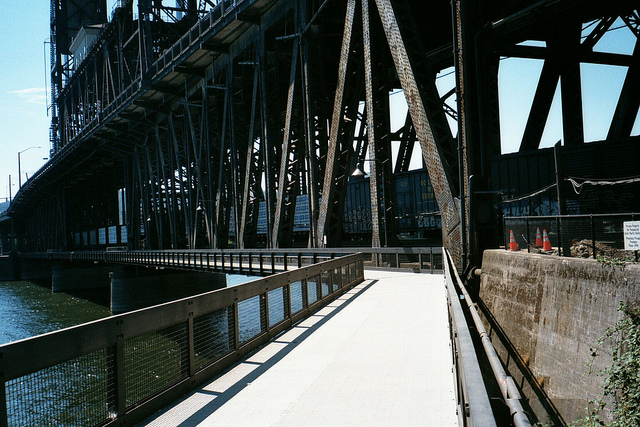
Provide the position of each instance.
(584, 236)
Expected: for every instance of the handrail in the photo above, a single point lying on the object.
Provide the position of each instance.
(121, 369)
(570, 216)
(474, 406)
(506, 384)
(251, 261)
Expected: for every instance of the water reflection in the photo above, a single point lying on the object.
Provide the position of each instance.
(28, 309)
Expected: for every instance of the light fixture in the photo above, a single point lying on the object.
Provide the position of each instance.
(358, 173)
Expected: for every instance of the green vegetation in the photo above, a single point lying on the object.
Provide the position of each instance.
(613, 261)
(620, 398)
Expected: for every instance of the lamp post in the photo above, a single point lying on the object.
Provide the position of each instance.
(359, 173)
(19, 171)
(202, 210)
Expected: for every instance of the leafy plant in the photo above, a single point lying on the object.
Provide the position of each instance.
(621, 384)
(613, 261)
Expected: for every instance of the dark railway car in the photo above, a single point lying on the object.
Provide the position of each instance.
(415, 205)
(357, 207)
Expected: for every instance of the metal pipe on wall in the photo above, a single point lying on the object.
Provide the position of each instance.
(507, 386)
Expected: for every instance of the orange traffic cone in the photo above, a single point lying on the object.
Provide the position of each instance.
(538, 238)
(546, 245)
(513, 246)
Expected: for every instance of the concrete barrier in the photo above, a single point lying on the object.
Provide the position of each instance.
(553, 311)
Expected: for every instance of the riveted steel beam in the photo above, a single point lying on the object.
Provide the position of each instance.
(288, 157)
(253, 171)
(449, 207)
(371, 129)
(336, 119)
(629, 103)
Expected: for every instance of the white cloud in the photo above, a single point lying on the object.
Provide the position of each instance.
(33, 95)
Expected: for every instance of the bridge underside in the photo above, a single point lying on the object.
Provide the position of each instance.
(179, 122)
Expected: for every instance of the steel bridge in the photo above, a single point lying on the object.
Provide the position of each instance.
(173, 122)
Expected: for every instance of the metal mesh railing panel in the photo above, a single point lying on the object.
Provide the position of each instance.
(295, 290)
(525, 232)
(79, 392)
(312, 288)
(337, 278)
(276, 306)
(250, 318)
(212, 336)
(345, 275)
(584, 236)
(154, 361)
(326, 283)
(610, 231)
(438, 261)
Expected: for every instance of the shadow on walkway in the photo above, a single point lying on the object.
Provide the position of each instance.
(221, 398)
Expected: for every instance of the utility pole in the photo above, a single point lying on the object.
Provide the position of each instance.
(19, 171)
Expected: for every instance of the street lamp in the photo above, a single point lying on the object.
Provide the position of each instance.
(358, 173)
(202, 210)
(19, 171)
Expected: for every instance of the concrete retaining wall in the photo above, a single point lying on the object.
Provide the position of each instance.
(553, 311)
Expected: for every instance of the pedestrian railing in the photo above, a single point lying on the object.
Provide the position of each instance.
(121, 369)
(474, 407)
(255, 261)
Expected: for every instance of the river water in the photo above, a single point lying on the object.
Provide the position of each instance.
(28, 309)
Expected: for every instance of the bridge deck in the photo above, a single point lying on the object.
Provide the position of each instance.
(379, 355)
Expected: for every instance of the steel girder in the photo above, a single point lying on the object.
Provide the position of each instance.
(417, 97)
(565, 49)
(207, 116)
(337, 119)
(178, 132)
(629, 103)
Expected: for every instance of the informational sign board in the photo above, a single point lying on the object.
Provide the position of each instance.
(631, 235)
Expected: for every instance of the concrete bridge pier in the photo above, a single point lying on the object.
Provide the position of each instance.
(135, 287)
(67, 277)
(31, 269)
(8, 269)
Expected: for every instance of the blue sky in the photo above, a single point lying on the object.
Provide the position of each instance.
(24, 121)
(23, 110)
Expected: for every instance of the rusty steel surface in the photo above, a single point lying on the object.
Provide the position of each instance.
(449, 207)
(327, 187)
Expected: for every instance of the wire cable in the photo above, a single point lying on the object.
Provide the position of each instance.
(577, 186)
(526, 196)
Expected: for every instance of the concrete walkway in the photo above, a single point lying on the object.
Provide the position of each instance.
(379, 355)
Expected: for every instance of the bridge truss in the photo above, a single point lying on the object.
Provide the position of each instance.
(174, 121)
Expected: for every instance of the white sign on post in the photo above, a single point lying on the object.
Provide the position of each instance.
(631, 235)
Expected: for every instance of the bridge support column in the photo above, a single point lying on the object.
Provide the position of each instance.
(65, 277)
(30, 269)
(8, 270)
(138, 287)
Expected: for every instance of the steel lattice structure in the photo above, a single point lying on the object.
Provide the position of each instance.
(177, 120)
